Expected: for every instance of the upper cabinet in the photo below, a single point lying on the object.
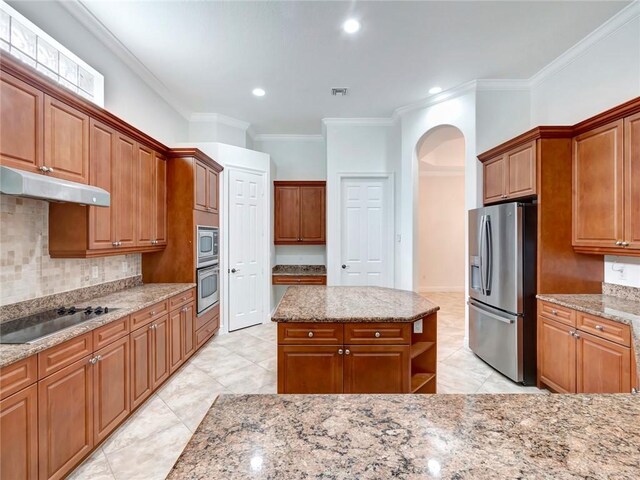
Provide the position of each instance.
(206, 188)
(606, 188)
(300, 212)
(510, 175)
(152, 198)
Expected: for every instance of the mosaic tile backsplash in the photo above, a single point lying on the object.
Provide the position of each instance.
(27, 271)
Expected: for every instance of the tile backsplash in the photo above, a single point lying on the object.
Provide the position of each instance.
(27, 271)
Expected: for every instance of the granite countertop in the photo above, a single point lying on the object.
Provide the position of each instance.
(415, 436)
(613, 308)
(299, 270)
(351, 304)
(126, 301)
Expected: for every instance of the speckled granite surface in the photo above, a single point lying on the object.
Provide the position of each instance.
(299, 270)
(415, 437)
(36, 305)
(621, 291)
(127, 301)
(351, 304)
(606, 306)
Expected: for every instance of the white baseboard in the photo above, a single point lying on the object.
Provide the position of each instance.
(440, 289)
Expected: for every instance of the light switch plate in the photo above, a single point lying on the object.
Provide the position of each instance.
(417, 326)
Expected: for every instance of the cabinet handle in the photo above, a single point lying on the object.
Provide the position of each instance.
(43, 169)
(310, 334)
(555, 312)
(49, 169)
(572, 333)
(339, 351)
(347, 351)
(377, 335)
(115, 244)
(576, 335)
(600, 327)
(634, 390)
(619, 243)
(152, 313)
(93, 360)
(625, 244)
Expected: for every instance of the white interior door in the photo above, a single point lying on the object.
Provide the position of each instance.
(246, 234)
(366, 231)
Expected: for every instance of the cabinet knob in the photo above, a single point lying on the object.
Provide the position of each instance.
(93, 360)
(600, 327)
(555, 312)
(576, 335)
(347, 351)
(49, 169)
(634, 390)
(152, 313)
(572, 333)
(339, 351)
(377, 334)
(625, 244)
(115, 244)
(619, 243)
(310, 334)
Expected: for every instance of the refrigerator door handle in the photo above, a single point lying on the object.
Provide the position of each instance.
(489, 314)
(488, 278)
(481, 256)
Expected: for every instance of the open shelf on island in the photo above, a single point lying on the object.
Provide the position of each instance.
(419, 348)
(424, 355)
(419, 380)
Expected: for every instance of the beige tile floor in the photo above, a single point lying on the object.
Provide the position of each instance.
(147, 445)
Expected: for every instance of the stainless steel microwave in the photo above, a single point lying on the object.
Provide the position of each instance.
(208, 246)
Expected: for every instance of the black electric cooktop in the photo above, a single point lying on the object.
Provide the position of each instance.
(36, 327)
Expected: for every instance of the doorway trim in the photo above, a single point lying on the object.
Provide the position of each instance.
(265, 254)
(337, 214)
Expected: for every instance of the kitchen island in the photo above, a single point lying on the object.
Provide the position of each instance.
(356, 340)
(415, 436)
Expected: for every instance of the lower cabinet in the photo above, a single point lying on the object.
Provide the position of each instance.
(182, 330)
(310, 369)
(141, 360)
(188, 322)
(602, 366)
(65, 418)
(19, 435)
(160, 352)
(556, 355)
(377, 369)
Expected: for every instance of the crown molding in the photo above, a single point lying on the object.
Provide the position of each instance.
(364, 121)
(449, 94)
(609, 27)
(281, 137)
(492, 84)
(219, 118)
(83, 15)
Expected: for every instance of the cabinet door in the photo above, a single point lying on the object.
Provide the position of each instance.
(124, 198)
(200, 200)
(635, 373)
(603, 366)
(521, 171)
(66, 141)
(598, 194)
(556, 355)
(177, 339)
(377, 369)
(188, 329)
(312, 214)
(287, 213)
(19, 434)
(160, 178)
(310, 369)
(632, 181)
(65, 418)
(494, 180)
(212, 190)
(161, 351)
(112, 398)
(102, 145)
(146, 196)
(141, 362)
(21, 117)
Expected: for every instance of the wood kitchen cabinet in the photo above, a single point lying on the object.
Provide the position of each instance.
(300, 216)
(632, 181)
(152, 198)
(602, 366)
(161, 351)
(141, 365)
(377, 369)
(556, 355)
(510, 175)
(182, 331)
(206, 188)
(65, 418)
(124, 197)
(19, 435)
(309, 369)
(22, 120)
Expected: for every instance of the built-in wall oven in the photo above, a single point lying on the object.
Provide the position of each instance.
(207, 245)
(208, 279)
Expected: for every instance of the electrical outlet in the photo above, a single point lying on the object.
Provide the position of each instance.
(125, 267)
(417, 326)
(94, 271)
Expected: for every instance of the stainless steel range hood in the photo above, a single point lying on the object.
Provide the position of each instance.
(33, 185)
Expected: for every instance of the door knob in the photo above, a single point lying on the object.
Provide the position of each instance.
(344, 266)
(233, 270)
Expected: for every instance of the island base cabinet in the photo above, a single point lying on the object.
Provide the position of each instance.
(65, 406)
(556, 355)
(377, 369)
(602, 366)
(310, 369)
(19, 435)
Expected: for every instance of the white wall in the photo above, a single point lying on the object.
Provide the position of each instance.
(217, 131)
(500, 116)
(125, 93)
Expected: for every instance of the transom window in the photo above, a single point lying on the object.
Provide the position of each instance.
(25, 41)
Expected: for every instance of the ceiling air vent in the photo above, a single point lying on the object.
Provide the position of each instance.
(338, 92)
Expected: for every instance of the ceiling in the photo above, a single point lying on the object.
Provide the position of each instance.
(210, 55)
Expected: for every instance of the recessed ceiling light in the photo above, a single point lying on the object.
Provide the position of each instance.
(434, 90)
(258, 92)
(351, 26)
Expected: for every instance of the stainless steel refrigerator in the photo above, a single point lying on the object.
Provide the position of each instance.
(502, 287)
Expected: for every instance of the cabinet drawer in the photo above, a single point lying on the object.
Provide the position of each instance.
(149, 314)
(601, 327)
(207, 331)
(377, 333)
(299, 280)
(108, 333)
(181, 299)
(66, 353)
(310, 333)
(18, 375)
(558, 313)
(206, 317)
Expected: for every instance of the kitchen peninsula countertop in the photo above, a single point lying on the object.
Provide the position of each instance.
(126, 301)
(299, 270)
(351, 304)
(415, 436)
(613, 308)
